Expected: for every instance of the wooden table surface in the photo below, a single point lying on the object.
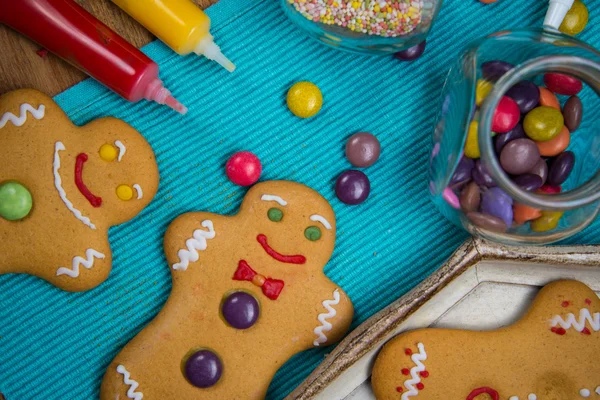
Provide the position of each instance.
(22, 67)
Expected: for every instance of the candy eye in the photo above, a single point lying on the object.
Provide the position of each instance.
(124, 192)
(313, 233)
(108, 152)
(275, 214)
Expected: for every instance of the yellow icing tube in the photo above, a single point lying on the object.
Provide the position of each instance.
(180, 24)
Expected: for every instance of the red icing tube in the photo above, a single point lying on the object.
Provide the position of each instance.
(70, 32)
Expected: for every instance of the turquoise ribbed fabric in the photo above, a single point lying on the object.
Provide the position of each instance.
(57, 345)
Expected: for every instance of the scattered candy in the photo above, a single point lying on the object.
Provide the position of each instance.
(15, 201)
(203, 369)
(388, 18)
(540, 169)
(497, 203)
(543, 123)
(573, 113)
(507, 115)
(529, 182)
(463, 171)
(562, 84)
(352, 187)
(561, 168)
(523, 213)
(487, 222)
(482, 90)
(481, 176)
(549, 99)
(304, 99)
(412, 53)
(472, 143)
(493, 70)
(576, 19)
(554, 147)
(470, 197)
(243, 168)
(363, 149)
(547, 221)
(500, 140)
(519, 156)
(526, 94)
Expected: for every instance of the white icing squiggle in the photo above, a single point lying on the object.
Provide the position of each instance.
(87, 262)
(139, 191)
(131, 393)
(414, 372)
(20, 120)
(122, 149)
(318, 218)
(579, 325)
(270, 197)
(323, 317)
(197, 242)
(61, 192)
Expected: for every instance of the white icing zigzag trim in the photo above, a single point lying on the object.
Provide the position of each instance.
(20, 120)
(122, 149)
(197, 242)
(270, 197)
(323, 317)
(571, 321)
(131, 393)
(61, 192)
(318, 218)
(139, 191)
(87, 262)
(414, 372)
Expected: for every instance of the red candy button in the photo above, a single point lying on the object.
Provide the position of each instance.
(563, 84)
(243, 168)
(506, 116)
(549, 189)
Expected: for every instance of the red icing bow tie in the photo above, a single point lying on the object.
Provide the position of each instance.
(270, 287)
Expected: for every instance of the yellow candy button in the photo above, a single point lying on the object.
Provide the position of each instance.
(482, 91)
(304, 99)
(547, 222)
(124, 192)
(472, 144)
(108, 152)
(575, 20)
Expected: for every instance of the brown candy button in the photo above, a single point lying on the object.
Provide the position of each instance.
(470, 197)
(573, 112)
(486, 221)
(362, 149)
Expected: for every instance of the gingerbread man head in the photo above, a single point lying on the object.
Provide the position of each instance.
(62, 187)
(248, 293)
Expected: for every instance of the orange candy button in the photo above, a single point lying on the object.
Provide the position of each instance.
(488, 1)
(549, 99)
(555, 146)
(523, 213)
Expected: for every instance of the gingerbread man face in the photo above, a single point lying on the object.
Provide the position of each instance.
(63, 186)
(550, 354)
(249, 292)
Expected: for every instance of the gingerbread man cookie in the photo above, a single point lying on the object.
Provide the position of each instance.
(62, 187)
(248, 293)
(552, 353)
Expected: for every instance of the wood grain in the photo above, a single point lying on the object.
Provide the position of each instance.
(22, 67)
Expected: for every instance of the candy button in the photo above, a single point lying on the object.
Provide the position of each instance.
(275, 214)
(540, 169)
(352, 187)
(470, 197)
(526, 94)
(450, 197)
(482, 91)
(472, 144)
(304, 99)
(462, 173)
(506, 116)
(481, 176)
(363, 149)
(561, 168)
(500, 140)
(573, 112)
(523, 213)
(553, 147)
(493, 70)
(203, 369)
(548, 99)
(562, 84)
(15, 201)
(519, 156)
(108, 152)
(124, 192)
(312, 233)
(497, 203)
(240, 310)
(529, 182)
(575, 20)
(550, 189)
(547, 221)
(412, 53)
(487, 222)
(243, 168)
(543, 123)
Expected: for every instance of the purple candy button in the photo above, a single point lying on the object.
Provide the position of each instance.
(352, 187)
(203, 369)
(240, 310)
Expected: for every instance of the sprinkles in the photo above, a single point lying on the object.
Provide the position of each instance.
(388, 18)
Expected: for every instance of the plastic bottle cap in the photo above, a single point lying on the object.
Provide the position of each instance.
(556, 12)
(155, 91)
(209, 49)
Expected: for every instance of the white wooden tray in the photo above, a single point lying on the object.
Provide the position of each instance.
(481, 286)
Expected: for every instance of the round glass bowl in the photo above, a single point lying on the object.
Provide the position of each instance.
(367, 26)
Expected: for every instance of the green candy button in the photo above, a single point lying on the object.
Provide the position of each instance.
(15, 201)
(312, 233)
(275, 214)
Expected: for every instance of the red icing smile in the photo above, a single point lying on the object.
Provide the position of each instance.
(298, 259)
(95, 201)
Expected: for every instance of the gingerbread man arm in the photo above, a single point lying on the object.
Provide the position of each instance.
(334, 317)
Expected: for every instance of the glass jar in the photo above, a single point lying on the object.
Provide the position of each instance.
(382, 31)
(559, 212)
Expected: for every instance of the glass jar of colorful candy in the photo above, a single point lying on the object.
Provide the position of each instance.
(365, 26)
(516, 146)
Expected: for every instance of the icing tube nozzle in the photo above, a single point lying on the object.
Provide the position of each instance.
(556, 12)
(155, 91)
(209, 49)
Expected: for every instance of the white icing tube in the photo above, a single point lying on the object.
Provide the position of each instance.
(87, 262)
(323, 317)
(556, 12)
(131, 393)
(20, 120)
(197, 242)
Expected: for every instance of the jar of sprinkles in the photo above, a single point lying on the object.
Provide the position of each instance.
(366, 26)
(516, 148)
